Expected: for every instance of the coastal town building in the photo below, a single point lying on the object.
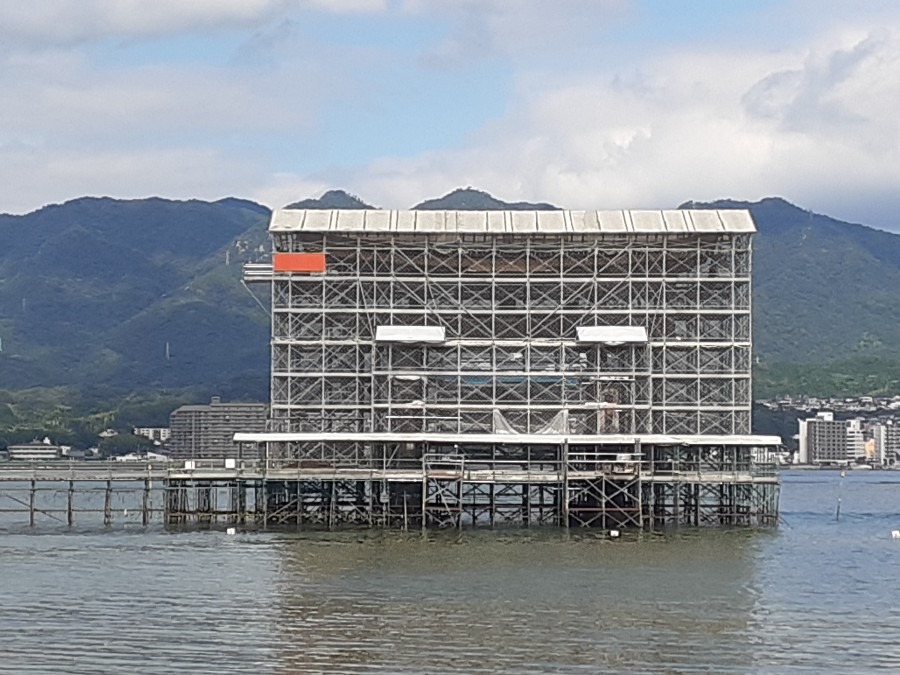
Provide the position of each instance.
(34, 451)
(886, 438)
(158, 435)
(207, 431)
(826, 440)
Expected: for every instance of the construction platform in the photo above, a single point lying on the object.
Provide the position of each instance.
(649, 483)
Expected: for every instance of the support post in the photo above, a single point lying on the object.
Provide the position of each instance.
(405, 514)
(31, 501)
(107, 503)
(145, 503)
(424, 493)
(639, 467)
(300, 504)
(265, 503)
(70, 504)
(564, 452)
(241, 501)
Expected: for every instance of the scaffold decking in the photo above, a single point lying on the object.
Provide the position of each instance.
(474, 346)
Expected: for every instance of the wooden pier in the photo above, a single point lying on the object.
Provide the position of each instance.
(436, 490)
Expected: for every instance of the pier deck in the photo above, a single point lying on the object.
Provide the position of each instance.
(434, 491)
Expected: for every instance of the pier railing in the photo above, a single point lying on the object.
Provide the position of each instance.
(581, 489)
(474, 468)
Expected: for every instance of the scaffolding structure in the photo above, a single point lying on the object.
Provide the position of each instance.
(586, 368)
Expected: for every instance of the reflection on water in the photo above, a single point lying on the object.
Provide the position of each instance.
(483, 603)
(814, 596)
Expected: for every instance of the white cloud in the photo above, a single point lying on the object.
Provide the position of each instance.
(818, 127)
(524, 29)
(58, 22)
(182, 173)
(284, 188)
(812, 120)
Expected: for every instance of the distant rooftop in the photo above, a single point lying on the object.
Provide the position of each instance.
(514, 222)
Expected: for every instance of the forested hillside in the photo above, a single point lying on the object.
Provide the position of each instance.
(105, 300)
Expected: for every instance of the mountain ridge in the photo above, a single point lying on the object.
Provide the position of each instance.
(93, 289)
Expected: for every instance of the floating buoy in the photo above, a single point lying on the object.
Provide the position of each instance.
(231, 531)
(895, 534)
(614, 534)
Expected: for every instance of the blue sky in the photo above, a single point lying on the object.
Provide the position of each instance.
(584, 103)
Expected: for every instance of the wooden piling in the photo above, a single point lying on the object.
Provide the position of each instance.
(405, 514)
(145, 503)
(265, 503)
(107, 504)
(31, 502)
(70, 505)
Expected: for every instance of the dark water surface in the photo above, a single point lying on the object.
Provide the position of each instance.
(813, 596)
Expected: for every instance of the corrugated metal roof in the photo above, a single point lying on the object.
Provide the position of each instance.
(513, 222)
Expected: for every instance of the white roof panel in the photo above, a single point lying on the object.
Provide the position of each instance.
(552, 221)
(676, 221)
(470, 221)
(403, 221)
(612, 221)
(378, 221)
(706, 221)
(581, 223)
(612, 335)
(737, 220)
(410, 334)
(524, 221)
(353, 221)
(648, 221)
(496, 221)
(514, 222)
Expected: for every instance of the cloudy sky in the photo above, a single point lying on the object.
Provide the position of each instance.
(584, 103)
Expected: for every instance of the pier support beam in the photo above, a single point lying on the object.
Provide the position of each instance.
(70, 505)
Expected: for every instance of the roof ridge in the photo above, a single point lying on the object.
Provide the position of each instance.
(566, 221)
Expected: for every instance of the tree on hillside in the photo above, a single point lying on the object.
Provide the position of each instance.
(122, 444)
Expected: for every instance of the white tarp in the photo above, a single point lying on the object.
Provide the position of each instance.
(410, 334)
(612, 335)
(558, 425)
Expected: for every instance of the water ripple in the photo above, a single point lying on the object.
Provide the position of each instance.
(814, 597)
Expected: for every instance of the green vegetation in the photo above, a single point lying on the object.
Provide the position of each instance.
(122, 444)
(467, 199)
(861, 376)
(113, 312)
(333, 199)
(71, 416)
(824, 290)
(131, 295)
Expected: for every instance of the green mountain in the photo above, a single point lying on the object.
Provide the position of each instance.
(468, 199)
(826, 319)
(333, 199)
(100, 298)
(130, 294)
(823, 289)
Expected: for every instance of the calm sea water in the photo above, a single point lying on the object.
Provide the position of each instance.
(813, 596)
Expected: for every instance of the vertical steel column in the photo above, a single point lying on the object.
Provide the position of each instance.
(145, 503)
(70, 504)
(31, 502)
(564, 452)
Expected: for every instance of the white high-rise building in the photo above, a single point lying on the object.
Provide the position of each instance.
(825, 440)
(887, 442)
